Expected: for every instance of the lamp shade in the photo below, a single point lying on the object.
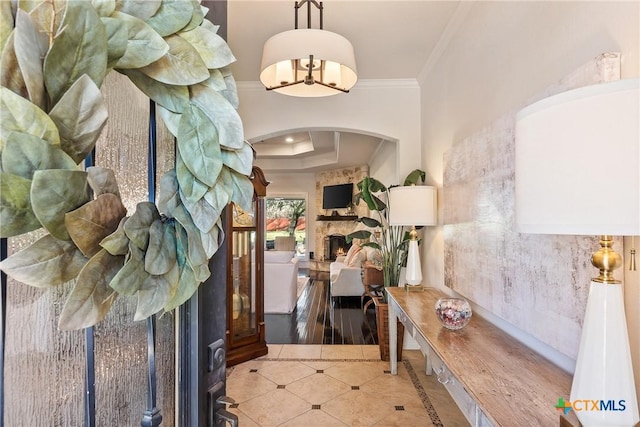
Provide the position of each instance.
(412, 205)
(576, 152)
(281, 51)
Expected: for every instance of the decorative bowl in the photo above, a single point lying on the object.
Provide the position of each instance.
(453, 313)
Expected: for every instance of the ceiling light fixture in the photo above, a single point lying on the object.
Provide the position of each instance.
(322, 60)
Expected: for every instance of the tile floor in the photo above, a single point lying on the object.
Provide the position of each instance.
(338, 385)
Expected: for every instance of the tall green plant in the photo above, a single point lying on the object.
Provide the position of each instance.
(392, 241)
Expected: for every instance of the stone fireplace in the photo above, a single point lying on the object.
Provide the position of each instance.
(335, 245)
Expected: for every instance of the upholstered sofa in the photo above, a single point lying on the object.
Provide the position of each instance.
(280, 281)
(345, 273)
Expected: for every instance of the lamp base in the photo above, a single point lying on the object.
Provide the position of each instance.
(413, 288)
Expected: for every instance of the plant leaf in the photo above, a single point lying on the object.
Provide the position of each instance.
(212, 48)
(161, 253)
(80, 116)
(11, 76)
(181, 65)
(203, 214)
(102, 181)
(198, 145)
(231, 92)
(222, 114)
(117, 39)
(197, 18)
(141, 9)
(144, 45)
(171, 120)
(414, 177)
(137, 227)
(117, 243)
(27, 50)
(239, 160)
(18, 114)
(171, 97)
(190, 186)
(16, 216)
(215, 81)
(188, 232)
(91, 298)
(132, 275)
(94, 221)
(155, 292)
(172, 16)
(187, 285)
(80, 48)
(169, 198)
(6, 22)
(218, 197)
(242, 191)
(104, 7)
(46, 263)
(211, 240)
(54, 192)
(24, 154)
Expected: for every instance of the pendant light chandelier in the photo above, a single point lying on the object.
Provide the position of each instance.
(308, 62)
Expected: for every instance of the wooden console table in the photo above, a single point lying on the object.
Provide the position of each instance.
(494, 379)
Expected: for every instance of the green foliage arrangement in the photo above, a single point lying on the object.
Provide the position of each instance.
(55, 56)
(392, 240)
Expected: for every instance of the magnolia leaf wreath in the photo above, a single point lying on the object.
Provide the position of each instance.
(55, 56)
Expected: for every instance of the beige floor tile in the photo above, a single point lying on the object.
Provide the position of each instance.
(314, 418)
(274, 351)
(283, 373)
(318, 388)
(247, 386)
(243, 420)
(342, 352)
(405, 419)
(357, 408)
(356, 374)
(274, 408)
(371, 352)
(320, 364)
(394, 388)
(299, 351)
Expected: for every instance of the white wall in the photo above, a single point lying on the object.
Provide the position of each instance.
(389, 109)
(383, 165)
(502, 54)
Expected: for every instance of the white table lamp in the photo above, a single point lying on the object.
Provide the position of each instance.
(413, 206)
(577, 172)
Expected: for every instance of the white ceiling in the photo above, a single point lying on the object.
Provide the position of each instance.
(391, 40)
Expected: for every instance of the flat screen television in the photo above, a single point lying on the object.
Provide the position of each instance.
(337, 196)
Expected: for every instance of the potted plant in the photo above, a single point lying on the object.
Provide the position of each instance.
(391, 241)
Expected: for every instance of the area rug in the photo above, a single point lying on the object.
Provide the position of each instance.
(302, 283)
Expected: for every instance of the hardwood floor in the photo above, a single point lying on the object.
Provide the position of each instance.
(319, 320)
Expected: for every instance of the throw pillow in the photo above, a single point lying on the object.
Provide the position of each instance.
(353, 250)
(357, 259)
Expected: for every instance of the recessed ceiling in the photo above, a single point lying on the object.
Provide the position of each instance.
(391, 40)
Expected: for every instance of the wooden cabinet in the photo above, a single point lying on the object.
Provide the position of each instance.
(245, 277)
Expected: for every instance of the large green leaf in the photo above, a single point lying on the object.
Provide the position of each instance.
(222, 114)
(219, 196)
(54, 192)
(203, 214)
(11, 77)
(231, 91)
(173, 98)
(132, 275)
(137, 227)
(171, 120)
(155, 292)
(6, 22)
(161, 253)
(211, 240)
(215, 80)
(48, 16)
(27, 49)
(172, 16)
(141, 9)
(117, 243)
(196, 18)
(117, 39)
(16, 113)
(191, 187)
(180, 66)
(187, 286)
(46, 263)
(91, 298)
(414, 177)
(16, 216)
(24, 154)
(198, 145)
(190, 236)
(80, 48)
(212, 48)
(94, 221)
(169, 198)
(104, 7)
(239, 160)
(242, 191)
(102, 181)
(144, 45)
(80, 116)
